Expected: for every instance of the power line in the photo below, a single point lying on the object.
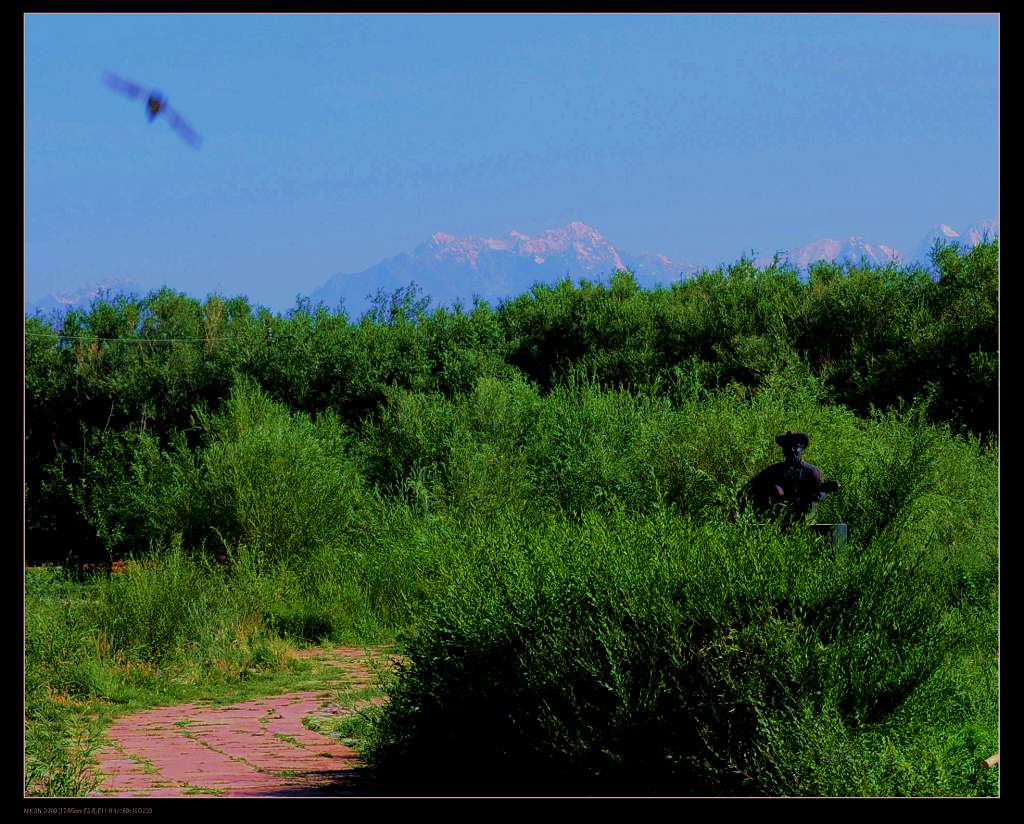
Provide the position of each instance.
(124, 340)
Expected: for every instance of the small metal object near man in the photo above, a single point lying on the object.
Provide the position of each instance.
(790, 489)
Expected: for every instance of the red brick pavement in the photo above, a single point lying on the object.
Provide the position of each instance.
(256, 748)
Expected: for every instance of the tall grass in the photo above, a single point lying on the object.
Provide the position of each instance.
(638, 653)
(170, 622)
(642, 636)
(582, 606)
(59, 671)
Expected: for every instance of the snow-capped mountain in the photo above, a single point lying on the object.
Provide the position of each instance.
(60, 302)
(969, 238)
(853, 249)
(981, 231)
(856, 248)
(450, 268)
(941, 232)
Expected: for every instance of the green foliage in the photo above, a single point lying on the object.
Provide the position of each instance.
(543, 497)
(737, 659)
(93, 646)
(875, 338)
(107, 494)
(651, 654)
(277, 481)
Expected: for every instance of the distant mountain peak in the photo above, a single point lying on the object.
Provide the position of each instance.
(971, 237)
(982, 230)
(584, 243)
(82, 297)
(853, 249)
(579, 229)
(449, 267)
(656, 257)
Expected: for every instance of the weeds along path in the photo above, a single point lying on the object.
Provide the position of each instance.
(259, 747)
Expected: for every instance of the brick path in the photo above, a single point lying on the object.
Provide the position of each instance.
(256, 748)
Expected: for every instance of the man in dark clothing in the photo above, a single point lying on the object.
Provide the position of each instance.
(790, 489)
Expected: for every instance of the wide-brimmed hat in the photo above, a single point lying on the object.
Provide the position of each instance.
(789, 437)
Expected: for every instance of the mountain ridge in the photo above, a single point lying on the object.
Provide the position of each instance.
(449, 268)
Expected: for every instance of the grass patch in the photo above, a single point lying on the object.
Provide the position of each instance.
(84, 666)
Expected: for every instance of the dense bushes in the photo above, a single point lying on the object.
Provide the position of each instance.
(542, 498)
(874, 337)
(652, 652)
(640, 654)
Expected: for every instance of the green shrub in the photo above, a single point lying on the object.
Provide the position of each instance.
(650, 654)
(264, 477)
(545, 495)
(161, 605)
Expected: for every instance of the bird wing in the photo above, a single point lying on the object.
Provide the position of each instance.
(181, 127)
(119, 84)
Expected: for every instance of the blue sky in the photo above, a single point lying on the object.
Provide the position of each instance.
(333, 141)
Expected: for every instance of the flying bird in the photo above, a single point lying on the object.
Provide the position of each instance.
(156, 104)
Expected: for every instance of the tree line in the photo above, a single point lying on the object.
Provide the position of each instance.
(129, 374)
